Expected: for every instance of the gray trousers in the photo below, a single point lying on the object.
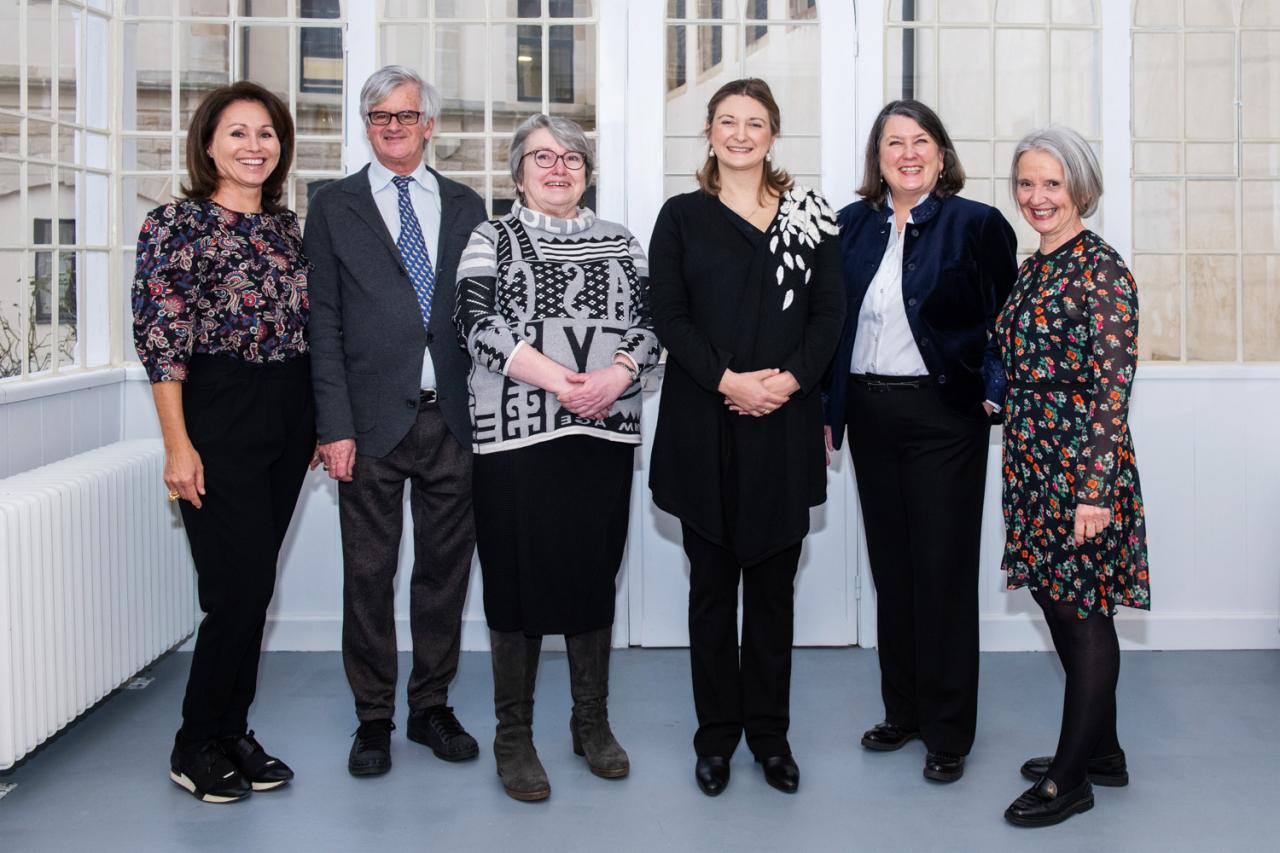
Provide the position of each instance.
(438, 470)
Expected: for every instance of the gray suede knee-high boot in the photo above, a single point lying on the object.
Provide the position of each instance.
(589, 684)
(515, 670)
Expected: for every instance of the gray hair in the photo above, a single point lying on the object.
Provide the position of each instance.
(1074, 154)
(385, 80)
(564, 131)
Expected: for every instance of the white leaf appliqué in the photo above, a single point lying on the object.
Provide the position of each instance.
(788, 299)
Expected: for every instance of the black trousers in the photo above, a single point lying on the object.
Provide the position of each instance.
(921, 470)
(438, 470)
(254, 428)
(751, 692)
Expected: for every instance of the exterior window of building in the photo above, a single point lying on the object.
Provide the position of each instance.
(993, 70)
(54, 186)
(777, 40)
(495, 65)
(1206, 178)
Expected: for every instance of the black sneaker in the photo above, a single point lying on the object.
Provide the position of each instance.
(439, 729)
(207, 773)
(371, 752)
(263, 771)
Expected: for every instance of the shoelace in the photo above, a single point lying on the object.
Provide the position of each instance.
(373, 735)
(445, 723)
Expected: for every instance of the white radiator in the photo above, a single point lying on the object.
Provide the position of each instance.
(96, 582)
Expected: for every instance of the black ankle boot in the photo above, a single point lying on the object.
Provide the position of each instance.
(589, 723)
(515, 671)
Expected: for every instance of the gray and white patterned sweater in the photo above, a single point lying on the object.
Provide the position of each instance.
(577, 290)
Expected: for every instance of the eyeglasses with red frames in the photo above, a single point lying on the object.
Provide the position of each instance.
(545, 158)
(382, 118)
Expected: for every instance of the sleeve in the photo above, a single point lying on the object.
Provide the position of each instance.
(809, 362)
(1111, 306)
(640, 343)
(166, 289)
(334, 420)
(485, 333)
(669, 293)
(998, 267)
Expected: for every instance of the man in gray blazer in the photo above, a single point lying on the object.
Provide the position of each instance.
(391, 402)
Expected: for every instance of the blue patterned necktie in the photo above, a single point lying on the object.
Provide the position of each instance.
(413, 250)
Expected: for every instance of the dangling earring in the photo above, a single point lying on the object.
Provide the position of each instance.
(711, 152)
(768, 156)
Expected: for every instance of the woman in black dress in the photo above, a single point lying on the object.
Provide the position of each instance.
(1075, 532)
(747, 299)
(220, 309)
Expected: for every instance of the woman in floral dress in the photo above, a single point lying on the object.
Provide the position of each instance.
(1075, 533)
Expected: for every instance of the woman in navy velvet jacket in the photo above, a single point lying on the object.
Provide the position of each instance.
(916, 381)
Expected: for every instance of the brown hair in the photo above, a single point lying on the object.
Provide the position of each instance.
(776, 181)
(202, 174)
(950, 179)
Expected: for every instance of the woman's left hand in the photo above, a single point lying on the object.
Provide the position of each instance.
(1090, 521)
(783, 384)
(594, 392)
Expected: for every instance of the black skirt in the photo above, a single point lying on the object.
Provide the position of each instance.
(551, 526)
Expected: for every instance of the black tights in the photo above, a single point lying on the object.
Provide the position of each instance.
(1090, 655)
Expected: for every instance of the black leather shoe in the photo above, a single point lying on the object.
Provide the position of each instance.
(1043, 805)
(712, 773)
(263, 771)
(371, 752)
(1109, 771)
(439, 729)
(782, 772)
(886, 737)
(943, 766)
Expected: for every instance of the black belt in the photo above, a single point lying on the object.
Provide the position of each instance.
(1061, 386)
(427, 396)
(876, 383)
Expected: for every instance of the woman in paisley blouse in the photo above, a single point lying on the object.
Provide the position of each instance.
(1075, 534)
(220, 311)
(748, 300)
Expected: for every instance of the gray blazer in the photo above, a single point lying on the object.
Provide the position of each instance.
(366, 328)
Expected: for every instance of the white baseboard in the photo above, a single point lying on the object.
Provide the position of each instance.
(1000, 633)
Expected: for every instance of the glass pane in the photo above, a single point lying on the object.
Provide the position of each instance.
(1259, 13)
(911, 65)
(147, 76)
(1211, 307)
(1262, 217)
(318, 156)
(677, 57)
(1157, 158)
(265, 8)
(969, 11)
(331, 9)
(1260, 160)
(1262, 296)
(1211, 86)
(320, 74)
(975, 157)
(502, 194)
(67, 152)
(463, 155)
(9, 69)
(139, 196)
(10, 186)
(912, 10)
(96, 150)
(964, 91)
(1157, 59)
(716, 58)
(417, 8)
(264, 57)
(406, 44)
(791, 61)
(499, 147)
(1074, 12)
(515, 73)
(571, 52)
(798, 156)
(1157, 216)
(1159, 279)
(305, 189)
(1020, 11)
(1260, 84)
(96, 86)
(1211, 216)
(205, 65)
(448, 9)
(68, 57)
(39, 139)
(11, 319)
(1157, 13)
(39, 50)
(147, 153)
(205, 8)
(10, 135)
(459, 74)
(1077, 86)
(1021, 82)
(802, 10)
(1210, 13)
(533, 8)
(683, 155)
(1211, 158)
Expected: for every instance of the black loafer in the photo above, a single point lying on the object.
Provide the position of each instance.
(943, 766)
(782, 772)
(371, 751)
(712, 773)
(1109, 771)
(886, 737)
(439, 729)
(1043, 805)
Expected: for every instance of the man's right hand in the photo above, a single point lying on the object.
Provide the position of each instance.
(338, 458)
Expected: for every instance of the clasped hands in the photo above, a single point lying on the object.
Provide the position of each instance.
(759, 392)
(592, 394)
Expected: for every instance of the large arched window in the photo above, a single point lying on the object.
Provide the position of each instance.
(1206, 178)
(495, 66)
(993, 70)
(711, 42)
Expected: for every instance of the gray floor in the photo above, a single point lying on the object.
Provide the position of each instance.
(1202, 730)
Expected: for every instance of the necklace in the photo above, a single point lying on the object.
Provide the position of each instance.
(748, 214)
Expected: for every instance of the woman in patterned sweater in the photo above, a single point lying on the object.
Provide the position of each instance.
(553, 307)
(1074, 525)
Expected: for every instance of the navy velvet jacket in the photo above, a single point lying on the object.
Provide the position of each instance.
(958, 266)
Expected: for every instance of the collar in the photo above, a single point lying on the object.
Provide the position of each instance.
(534, 219)
(923, 208)
(380, 177)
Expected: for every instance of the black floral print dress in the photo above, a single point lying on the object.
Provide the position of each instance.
(1068, 337)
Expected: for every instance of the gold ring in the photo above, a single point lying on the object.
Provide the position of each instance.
(173, 496)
